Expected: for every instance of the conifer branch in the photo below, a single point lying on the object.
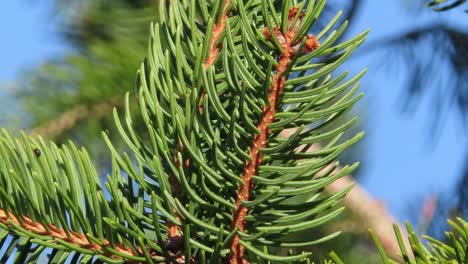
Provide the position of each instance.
(210, 179)
(454, 249)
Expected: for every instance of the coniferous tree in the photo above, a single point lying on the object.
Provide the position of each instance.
(212, 179)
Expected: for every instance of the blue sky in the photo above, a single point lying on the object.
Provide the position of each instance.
(401, 164)
(29, 35)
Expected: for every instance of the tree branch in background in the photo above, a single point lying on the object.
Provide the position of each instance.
(370, 212)
(71, 118)
(448, 46)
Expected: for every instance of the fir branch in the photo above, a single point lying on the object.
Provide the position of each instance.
(215, 143)
(197, 169)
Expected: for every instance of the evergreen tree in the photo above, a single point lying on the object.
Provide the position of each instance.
(212, 179)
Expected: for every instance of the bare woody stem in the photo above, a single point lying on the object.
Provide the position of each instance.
(260, 140)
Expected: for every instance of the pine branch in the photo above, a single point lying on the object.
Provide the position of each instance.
(218, 29)
(210, 179)
(174, 230)
(358, 201)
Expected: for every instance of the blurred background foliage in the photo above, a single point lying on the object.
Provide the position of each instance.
(108, 40)
(72, 96)
(443, 75)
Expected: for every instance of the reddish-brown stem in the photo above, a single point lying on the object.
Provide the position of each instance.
(218, 30)
(58, 233)
(260, 140)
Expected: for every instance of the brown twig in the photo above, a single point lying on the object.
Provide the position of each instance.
(260, 140)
